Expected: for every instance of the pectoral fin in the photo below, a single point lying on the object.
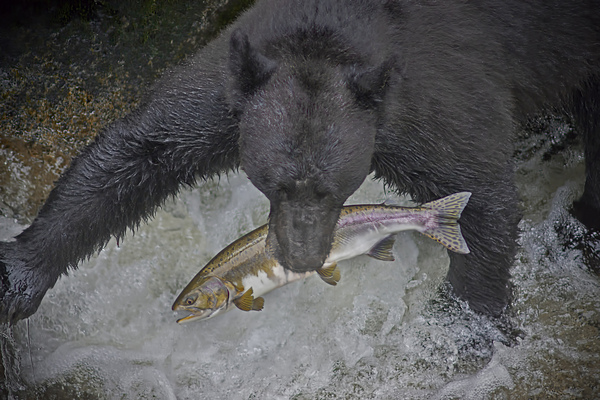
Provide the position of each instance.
(330, 275)
(383, 250)
(258, 304)
(247, 302)
(238, 286)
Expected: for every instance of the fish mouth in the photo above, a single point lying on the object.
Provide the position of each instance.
(189, 318)
(197, 315)
(194, 315)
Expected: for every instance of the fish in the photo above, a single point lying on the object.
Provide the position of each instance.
(246, 269)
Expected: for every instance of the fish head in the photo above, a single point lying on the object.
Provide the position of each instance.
(203, 299)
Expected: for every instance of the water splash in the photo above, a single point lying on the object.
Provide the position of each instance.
(388, 330)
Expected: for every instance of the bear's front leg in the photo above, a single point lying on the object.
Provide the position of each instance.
(184, 131)
(490, 226)
(489, 223)
(586, 104)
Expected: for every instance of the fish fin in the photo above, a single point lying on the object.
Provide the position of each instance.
(258, 304)
(450, 207)
(342, 237)
(383, 250)
(330, 275)
(238, 286)
(449, 210)
(247, 302)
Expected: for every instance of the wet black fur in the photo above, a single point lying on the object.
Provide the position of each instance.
(308, 97)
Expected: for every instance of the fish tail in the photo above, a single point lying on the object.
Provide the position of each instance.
(447, 231)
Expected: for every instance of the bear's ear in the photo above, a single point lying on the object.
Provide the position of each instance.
(250, 68)
(369, 85)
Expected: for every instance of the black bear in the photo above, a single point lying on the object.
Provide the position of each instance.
(308, 97)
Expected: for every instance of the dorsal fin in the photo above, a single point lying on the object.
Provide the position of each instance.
(383, 250)
(330, 275)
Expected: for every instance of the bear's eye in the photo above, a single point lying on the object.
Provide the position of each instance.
(321, 194)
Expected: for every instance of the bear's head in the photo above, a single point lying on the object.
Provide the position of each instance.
(307, 134)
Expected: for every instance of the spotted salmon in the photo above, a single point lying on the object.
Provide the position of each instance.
(245, 269)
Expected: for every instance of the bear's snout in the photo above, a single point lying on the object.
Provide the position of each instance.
(300, 238)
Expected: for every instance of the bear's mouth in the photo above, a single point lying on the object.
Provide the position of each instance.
(300, 239)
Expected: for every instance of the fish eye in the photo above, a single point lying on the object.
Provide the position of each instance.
(189, 301)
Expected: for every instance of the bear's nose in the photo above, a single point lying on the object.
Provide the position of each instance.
(299, 254)
(305, 258)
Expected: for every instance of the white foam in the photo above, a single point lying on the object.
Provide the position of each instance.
(383, 331)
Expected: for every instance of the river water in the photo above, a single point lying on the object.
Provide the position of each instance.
(386, 331)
